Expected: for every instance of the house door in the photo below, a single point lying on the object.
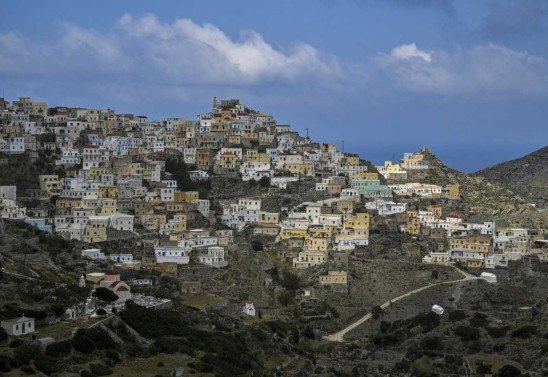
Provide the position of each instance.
(23, 327)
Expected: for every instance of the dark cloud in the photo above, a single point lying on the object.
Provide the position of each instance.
(510, 19)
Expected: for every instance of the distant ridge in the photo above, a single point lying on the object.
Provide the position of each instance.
(526, 176)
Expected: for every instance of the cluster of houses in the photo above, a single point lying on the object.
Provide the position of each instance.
(116, 186)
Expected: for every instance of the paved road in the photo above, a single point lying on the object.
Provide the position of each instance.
(338, 336)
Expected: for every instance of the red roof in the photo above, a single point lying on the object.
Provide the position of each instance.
(122, 288)
(114, 284)
(111, 271)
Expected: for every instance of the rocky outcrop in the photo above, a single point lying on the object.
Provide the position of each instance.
(526, 176)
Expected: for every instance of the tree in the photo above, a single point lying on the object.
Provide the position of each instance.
(483, 368)
(179, 171)
(105, 294)
(257, 245)
(101, 312)
(435, 274)
(264, 182)
(509, 371)
(290, 280)
(376, 311)
(58, 309)
(286, 297)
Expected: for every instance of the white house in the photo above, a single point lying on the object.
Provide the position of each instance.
(19, 326)
(171, 254)
(121, 258)
(122, 221)
(249, 309)
(93, 254)
(213, 256)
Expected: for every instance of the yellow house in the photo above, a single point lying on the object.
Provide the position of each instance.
(334, 277)
(69, 202)
(292, 233)
(325, 232)
(366, 175)
(234, 139)
(309, 258)
(480, 243)
(186, 196)
(301, 169)
(316, 244)
(263, 157)
(352, 160)
(96, 229)
(451, 190)
(108, 192)
(363, 220)
(413, 225)
(251, 155)
(108, 207)
(153, 221)
(49, 183)
(96, 172)
(269, 218)
(228, 160)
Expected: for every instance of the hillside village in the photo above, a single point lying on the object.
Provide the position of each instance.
(137, 202)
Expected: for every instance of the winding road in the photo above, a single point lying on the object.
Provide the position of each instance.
(338, 336)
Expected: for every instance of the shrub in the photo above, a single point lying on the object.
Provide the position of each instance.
(457, 315)
(87, 340)
(25, 354)
(479, 320)
(385, 326)
(499, 347)
(86, 373)
(427, 321)
(47, 365)
(309, 332)
(100, 369)
(113, 355)
(28, 369)
(136, 350)
(152, 323)
(166, 345)
(524, 332)
(59, 349)
(432, 343)
(497, 332)
(3, 334)
(467, 333)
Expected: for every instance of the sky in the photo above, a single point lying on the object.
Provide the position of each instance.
(467, 78)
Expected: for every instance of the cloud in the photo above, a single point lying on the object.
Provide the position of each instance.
(484, 70)
(179, 52)
(410, 51)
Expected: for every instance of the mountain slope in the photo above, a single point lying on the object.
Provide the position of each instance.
(483, 200)
(526, 176)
